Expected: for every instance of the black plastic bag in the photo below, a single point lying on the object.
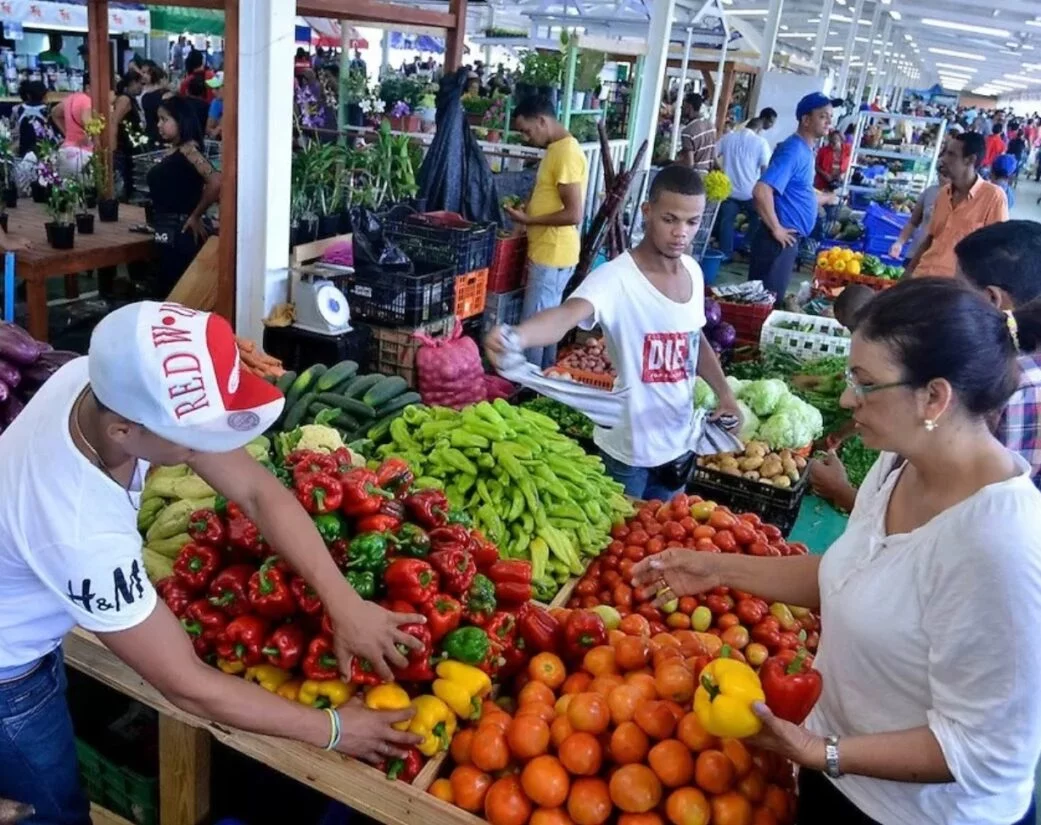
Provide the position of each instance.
(455, 176)
(372, 250)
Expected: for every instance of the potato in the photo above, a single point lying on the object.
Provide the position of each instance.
(755, 449)
(794, 476)
(730, 471)
(789, 466)
(730, 463)
(753, 463)
(800, 462)
(783, 482)
(751, 475)
(783, 454)
(771, 468)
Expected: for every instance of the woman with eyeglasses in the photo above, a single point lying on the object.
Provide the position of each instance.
(931, 599)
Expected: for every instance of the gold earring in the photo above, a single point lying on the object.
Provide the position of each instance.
(930, 425)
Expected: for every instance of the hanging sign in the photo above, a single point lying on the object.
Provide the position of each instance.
(38, 14)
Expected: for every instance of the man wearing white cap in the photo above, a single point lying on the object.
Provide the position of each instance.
(161, 385)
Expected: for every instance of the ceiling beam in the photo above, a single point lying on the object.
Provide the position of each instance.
(375, 11)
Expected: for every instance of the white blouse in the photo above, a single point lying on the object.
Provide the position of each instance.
(938, 627)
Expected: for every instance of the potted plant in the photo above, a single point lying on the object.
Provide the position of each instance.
(402, 119)
(61, 206)
(427, 112)
(84, 218)
(354, 88)
(7, 184)
(108, 206)
(494, 119)
(541, 74)
(587, 77)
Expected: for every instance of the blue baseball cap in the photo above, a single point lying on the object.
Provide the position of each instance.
(1005, 165)
(810, 103)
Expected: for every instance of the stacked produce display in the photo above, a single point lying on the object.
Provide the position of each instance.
(25, 364)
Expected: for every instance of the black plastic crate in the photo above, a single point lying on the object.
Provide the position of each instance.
(443, 239)
(742, 495)
(299, 349)
(397, 299)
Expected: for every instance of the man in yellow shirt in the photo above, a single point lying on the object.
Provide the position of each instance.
(553, 215)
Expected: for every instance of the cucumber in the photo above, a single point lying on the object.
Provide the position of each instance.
(318, 406)
(302, 383)
(334, 375)
(349, 405)
(343, 386)
(399, 403)
(298, 411)
(345, 422)
(381, 429)
(390, 386)
(286, 381)
(363, 384)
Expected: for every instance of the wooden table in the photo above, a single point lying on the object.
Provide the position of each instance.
(110, 245)
(184, 757)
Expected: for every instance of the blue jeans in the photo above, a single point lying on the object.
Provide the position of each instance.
(639, 481)
(37, 748)
(545, 290)
(728, 212)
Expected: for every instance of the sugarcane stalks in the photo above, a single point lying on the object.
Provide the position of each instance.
(616, 230)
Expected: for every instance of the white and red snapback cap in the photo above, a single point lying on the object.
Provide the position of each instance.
(176, 372)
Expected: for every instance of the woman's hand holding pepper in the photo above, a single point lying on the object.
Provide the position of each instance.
(368, 735)
(674, 573)
(367, 630)
(791, 741)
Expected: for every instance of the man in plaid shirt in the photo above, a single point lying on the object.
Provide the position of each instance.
(1004, 261)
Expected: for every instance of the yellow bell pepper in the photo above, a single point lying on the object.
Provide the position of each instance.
(231, 668)
(435, 722)
(289, 690)
(327, 693)
(390, 696)
(462, 687)
(269, 677)
(723, 701)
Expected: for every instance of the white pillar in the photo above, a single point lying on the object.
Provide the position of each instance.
(876, 78)
(843, 82)
(766, 56)
(384, 53)
(265, 96)
(662, 14)
(678, 112)
(822, 34)
(869, 53)
(488, 49)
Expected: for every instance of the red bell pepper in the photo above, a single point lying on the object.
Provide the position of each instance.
(444, 614)
(242, 640)
(540, 630)
(791, 685)
(515, 658)
(319, 493)
(338, 550)
(204, 623)
(320, 662)
(457, 570)
(196, 565)
(484, 552)
(243, 534)
(206, 527)
(363, 673)
(395, 475)
(479, 603)
(751, 611)
(285, 646)
(269, 593)
(343, 460)
(175, 594)
(362, 495)
(493, 660)
(427, 508)
(584, 630)
(306, 598)
(768, 632)
(419, 668)
(377, 523)
(411, 580)
(449, 537)
(305, 463)
(403, 769)
(229, 590)
(502, 630)
(512, 580)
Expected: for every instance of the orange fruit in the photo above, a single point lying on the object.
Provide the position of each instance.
(688, 806)
(545, 781)
(644, 684)
(648, 818)
(714, 772)
(600, 661)
(576, 683)
(656, 719)
(528, 737)
(469, 787)
(738, 754)
(535, 692)
(550, 816)
(675, 682)
(622, 702)
(442, 789)
(589, 712)
(632, 652)
(540, 709)
(605, 684)
(635, 788)
(460, 748)
(506, 804)
(731, 809)
(752, 786)
(581, 754)
(692, 734)
(563, 703)
(671, 760)
(560, 730)
(589, 802)
(548, 669)
(628, 744)
(489, 750)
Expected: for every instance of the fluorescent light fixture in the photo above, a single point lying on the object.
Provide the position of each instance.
(834, 48)
(895, 15)
(964, 55)
(784, 28)
(1026, 47)
(798, 35)
(748, 12)
(952, 25)
(1034, 23)
(1022, 78)
(908, 38)
(957, 68)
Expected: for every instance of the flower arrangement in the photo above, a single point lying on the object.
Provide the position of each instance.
(717, 186)
(63, 199)
(494, 117)
(354, 86)
(136, 135)
(309, 111)
(400, 109)
(95, 128)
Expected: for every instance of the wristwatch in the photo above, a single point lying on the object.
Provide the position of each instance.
(831, 757)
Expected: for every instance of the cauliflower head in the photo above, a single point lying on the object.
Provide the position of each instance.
(320, 438)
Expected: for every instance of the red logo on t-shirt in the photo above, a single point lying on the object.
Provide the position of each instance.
(666, 357)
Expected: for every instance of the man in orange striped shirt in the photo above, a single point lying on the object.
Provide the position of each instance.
(964, 205)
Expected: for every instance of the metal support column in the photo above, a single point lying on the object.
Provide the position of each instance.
(843, 82)
(662, 14)
(883, 50)
(677, 113)
(822, 34)
(876, 18)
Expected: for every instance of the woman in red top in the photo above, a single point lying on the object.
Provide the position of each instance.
(832, 161)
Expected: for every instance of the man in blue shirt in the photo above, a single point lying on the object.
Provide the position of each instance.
(786, 200)
(216, 114)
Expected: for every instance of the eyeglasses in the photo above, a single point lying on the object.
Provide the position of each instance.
(862, 391)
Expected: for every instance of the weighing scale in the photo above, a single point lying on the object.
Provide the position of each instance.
(320, 304)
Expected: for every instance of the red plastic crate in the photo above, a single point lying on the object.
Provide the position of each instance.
(471, 292)
(747, 319)
(508, 270)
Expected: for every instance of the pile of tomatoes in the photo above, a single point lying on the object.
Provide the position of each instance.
(752, 628)
(613, 738)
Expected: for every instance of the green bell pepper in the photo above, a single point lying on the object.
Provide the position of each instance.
(466, 644)
(368, 552)
(330, 526)
(363, 582)
(412, 540)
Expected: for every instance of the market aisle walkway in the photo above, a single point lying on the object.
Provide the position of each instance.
(1027, 207)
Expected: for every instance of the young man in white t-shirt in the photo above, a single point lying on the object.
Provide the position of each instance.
(650, 305)
(161, 385)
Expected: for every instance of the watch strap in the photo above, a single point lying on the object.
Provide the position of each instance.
(831, 757)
